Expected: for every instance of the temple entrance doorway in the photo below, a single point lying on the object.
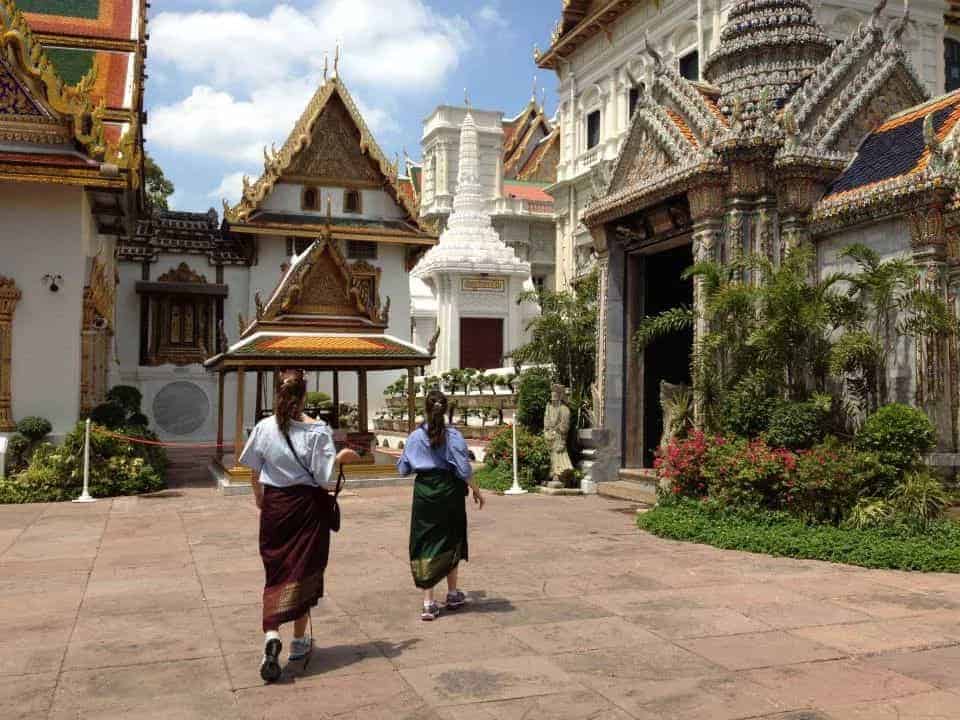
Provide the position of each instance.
(481, 343)
(655, 284)
(668, 358)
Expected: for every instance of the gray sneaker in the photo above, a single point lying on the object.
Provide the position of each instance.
(301, 648)
(455, 600)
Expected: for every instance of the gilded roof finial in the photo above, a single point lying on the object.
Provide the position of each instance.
(901, 25)
(543, 99)
(533, 93)
(877, 11)
(326, 60)
(336, 61)
(466, 98)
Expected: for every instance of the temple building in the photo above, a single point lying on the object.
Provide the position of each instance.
(192, 287)
(466, 289)
(71, 164)
(596, 51)
(791, 138)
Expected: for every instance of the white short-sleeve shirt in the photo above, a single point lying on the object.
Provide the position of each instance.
(267, 452)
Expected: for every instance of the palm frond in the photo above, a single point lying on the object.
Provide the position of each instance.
(666, 323)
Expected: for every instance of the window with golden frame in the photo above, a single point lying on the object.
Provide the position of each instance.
(352, 202)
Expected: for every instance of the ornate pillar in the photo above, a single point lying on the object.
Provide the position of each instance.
(336, 400)
(9, 296)
(706, 211)
(411, 401)
(221, 374)
(935, 386)
(238, 427)
(362, 401)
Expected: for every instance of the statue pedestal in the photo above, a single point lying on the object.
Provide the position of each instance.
(592, 440)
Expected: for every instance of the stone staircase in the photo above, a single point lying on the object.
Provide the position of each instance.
(637, 485)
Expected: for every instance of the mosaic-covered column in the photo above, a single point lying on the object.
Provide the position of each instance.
(9, 296)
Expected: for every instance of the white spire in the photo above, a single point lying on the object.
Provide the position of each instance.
(470, 244)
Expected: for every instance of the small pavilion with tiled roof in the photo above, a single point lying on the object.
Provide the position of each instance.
(319, 318)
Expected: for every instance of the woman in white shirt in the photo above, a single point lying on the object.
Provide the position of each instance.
(292, 457)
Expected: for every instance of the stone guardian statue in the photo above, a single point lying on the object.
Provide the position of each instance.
(556, 425)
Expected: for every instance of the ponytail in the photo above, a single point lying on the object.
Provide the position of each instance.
(290, 396)
(435, 410)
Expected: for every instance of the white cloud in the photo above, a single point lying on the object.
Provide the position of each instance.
(231, 187)
(252, 75)
(399, 44)
(491, 15)
(215, 123)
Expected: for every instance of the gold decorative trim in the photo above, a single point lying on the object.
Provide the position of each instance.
(9, 297)
(86, 43)
(316, 231)
(56, 176)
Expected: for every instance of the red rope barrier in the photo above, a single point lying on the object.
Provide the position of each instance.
(158, 443)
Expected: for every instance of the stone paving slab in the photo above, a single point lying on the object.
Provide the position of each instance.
(149, 608)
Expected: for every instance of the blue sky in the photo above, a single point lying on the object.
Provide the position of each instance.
(227, 77)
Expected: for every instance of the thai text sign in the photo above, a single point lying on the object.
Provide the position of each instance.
(482, 284)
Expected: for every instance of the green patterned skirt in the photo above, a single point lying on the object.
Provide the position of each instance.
(438, 527)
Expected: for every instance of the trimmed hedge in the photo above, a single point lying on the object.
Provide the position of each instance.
(936, 549)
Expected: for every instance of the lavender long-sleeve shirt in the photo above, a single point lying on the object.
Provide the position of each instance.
(419, 456)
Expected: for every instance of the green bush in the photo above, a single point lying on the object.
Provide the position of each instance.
(533, 396)
(126, 397)
(18, 454)
(34, 429)
(746, 473)
(796, 425)
(499, 479)
(827, 482)
(899, 435)
(919, 499)
(747, 409)
(117, 467)
(776, 533)
(109, 415)
(138, 420)
(533, 455)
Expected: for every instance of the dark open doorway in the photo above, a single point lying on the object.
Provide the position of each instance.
(667, 358)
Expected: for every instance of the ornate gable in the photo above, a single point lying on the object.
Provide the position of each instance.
(866, 79)
(14, 99)
(346, 149)
(334, 152)
(320, 290)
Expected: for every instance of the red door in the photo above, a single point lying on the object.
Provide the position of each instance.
(481, 343)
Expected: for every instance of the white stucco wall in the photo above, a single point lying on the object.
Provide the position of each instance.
(42, 230)
(374, 204)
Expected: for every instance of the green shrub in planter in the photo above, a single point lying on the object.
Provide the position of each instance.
(747, 409)
(796, 425)
(34, 429)
(109, 415)
(899, 435)
(533, 454)
(533, 396)
(126, 397)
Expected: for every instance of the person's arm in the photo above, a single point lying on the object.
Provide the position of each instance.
(257, 488)
(252, 458)
(460, 458)
(404, 466)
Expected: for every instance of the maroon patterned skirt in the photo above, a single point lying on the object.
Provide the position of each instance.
(294, 547)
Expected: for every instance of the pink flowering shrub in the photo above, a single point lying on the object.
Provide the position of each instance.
(828, 480)
(680, 463)
(748, 473)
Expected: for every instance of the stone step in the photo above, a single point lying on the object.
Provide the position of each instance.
(632, 490)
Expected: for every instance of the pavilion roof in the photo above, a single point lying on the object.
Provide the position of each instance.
(327, 350)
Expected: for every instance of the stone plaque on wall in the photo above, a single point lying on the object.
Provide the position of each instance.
(482, 284)
(181, 408)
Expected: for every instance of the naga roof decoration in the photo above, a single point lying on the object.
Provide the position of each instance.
(290, 157)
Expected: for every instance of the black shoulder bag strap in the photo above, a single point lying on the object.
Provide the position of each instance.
(335, 510)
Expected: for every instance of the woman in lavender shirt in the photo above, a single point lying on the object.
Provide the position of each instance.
(438, 524)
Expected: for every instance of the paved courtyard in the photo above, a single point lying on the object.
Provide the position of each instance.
(148, 608)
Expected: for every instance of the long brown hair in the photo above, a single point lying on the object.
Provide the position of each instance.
(434, 412)
(290, 395)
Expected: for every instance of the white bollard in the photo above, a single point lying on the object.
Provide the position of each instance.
(515, 489)
(85, 496)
